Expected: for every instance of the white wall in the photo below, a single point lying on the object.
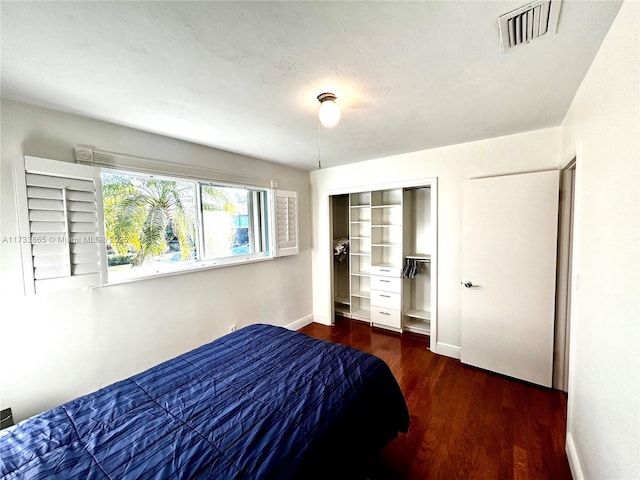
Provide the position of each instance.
(58, 346)
(603, 128)
(452, 165)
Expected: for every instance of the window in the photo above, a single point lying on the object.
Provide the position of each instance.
(150, 224)
(160, 224)
(233, 221)
(140, 224)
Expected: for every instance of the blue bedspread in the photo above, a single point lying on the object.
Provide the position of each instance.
(262, 402)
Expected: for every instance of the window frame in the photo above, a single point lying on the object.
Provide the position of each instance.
(260, 194)
(259, 216)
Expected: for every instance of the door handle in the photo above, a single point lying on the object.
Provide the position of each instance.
(469, 285)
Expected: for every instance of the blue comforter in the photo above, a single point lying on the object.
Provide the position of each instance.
(263, 402)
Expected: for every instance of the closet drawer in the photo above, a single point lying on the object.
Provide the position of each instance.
(388, 284)
(385, 271)
(386, 317)
(385, 299)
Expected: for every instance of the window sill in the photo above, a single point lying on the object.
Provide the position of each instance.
(195, 267)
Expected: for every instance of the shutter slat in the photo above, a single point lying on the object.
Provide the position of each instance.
(83, 217)
(46, 215)
(41, 249)
(41, 273)
(81, 196)
(48, 227)
(84, 247)
(50, 261)
(38, 192)
(84, 258)
(35, 180)
(85, 268)
(81, 206)
(49, 238)
(83, 227)
(82, 238)
(41, 204)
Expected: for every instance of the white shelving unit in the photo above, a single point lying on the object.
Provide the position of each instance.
(386, 259)
(360, 255)
(385, 227)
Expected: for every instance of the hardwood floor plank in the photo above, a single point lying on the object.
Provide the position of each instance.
(466, 423)
(520, 464)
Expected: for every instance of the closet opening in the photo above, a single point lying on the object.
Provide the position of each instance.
(383, 258)
(417, 261)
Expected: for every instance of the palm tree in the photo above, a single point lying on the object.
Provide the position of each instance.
(138, 211)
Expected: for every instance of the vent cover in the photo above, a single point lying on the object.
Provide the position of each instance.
(528, 22)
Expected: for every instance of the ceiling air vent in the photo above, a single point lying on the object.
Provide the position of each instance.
(528, 22)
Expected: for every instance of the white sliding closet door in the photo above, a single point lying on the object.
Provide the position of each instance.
(508, 274)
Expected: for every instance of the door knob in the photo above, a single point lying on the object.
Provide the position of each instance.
(469, 285)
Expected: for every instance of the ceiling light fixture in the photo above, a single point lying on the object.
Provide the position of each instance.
(329, 112)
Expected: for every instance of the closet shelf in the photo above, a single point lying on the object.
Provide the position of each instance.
(366, 254)
(417, 326)
(342, 300)
(361, 294)
(361, 315)
(419, 257)
(387, 205)
(419, 314)
(361, 273)
(385, 265)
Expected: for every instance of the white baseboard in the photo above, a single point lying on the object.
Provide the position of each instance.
(572, 456)
(321, 319)
(448, 350)
(301, 322)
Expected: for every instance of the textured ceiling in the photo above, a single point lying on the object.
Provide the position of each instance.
(244, 76)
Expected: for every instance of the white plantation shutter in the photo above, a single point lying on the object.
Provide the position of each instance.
(61, 220)
(286, 223)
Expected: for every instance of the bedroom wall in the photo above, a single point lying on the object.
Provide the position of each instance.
(536, 150)
(58, 346)
(603, 128)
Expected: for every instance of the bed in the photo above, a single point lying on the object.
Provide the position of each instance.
(263, 402)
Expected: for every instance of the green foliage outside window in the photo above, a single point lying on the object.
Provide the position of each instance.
(139, 210)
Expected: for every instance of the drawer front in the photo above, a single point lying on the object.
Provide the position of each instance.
(386, 317)
(388, 284)
(385, 271)
(385, 299)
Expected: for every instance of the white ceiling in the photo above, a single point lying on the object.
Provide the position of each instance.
(244, 76)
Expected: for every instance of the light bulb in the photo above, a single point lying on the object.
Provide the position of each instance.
(329, 112)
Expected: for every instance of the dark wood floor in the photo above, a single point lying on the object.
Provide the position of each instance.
(465, 423)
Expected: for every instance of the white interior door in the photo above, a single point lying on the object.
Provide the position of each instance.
(509, 267)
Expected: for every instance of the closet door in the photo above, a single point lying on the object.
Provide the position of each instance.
(509, 271)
